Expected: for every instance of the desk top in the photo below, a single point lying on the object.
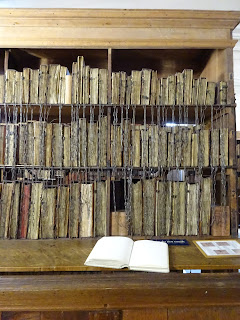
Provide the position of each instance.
(70, 255)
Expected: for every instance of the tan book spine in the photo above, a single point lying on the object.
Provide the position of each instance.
(195, 145)
(103, 86)
(48, 207)
(10, 86)
(94, 86)
(2, 143)
(211, 93)
(137, 208)
(202, 91)
(6, 205)
(221, 221)
(123, 84)
(34, 80)
(62, 211)
(68, 89)
(43, 81)
(80, 68)
(39, 142)
(86, 82)
(34, 211)
(92, 146)
(18, 87)
(154, 82)
(48, 150)
(53, 83)
(171, 160)
(179, 88)
(74, 142)
(57, 145)
(160, 217)
(30, 142)
(178, 140)
(158, 92)
(149, 207)
(115, 223)
(145, 90)
(178, 209)
(126, 142)
(62, 84)
(102, 145)
(128, 90)
(195, 91)
(169, 198)
(164, 92)
(205, 206)
(2, 88)
(14, 212)
(74, 211)
(11, 144)
(86, 214)
(187, 86)
(26, 85)
(136, 87)
(136, 145)
(153, 146)
(116, 148)
(204, 148)
(83, 142)
(224, 146)
(66, 146)
(187, 147)
(192, 208)
(74, 83)
(115, 87)
(171, 90)
(122, 223)
(100, 208)
(144, 145)
(223, 92)
(163, 145)
(215, 147)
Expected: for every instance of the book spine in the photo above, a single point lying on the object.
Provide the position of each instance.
(223, 91)
(18, 88)
(24, 211)
(144, 145)
(164, 91)
(137, 208)
(115, 87)
(195, 145)
(62, 85)
(192, 209)
(171, 90)
(86, 79)
(187, 86)
(2, 88)
(57, 146)
(148, 207)
(74, 210)
(187, 147)
(80, 68)
(195, 91)
(43, 79)
(48, 149)
(153, 146)
(62, 211)
(92, 146)
(215, 147)
(6, 205)
(100, 208)
(205, 206)
(53, 83)
(123, 84)
(160, 217)
(48, 206)
(103, 86)
(83, 142)
(74, 83)
(26, 85)
(2, 143)
(10, 144)
(220, 226)
(14, 213)
(158, 92)
(34, 211)
(34, 79)
(136, 146)
(102, 144)
(202, 91)
(178, 209)
(178, 145)
(93, 85)
(169, 196)
(126, 142)
(163, 144)
(68, 89)
(10, 86)
(119, 223)
(128, 90)
(211, 93)
(224, 147)
(66, 146)
(145, 91)
(74, 142)
(136, 87)
(179, 88)
(86, 223)
(30, 142)
(154, 82)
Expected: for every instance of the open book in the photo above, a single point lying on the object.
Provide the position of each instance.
(120, 252)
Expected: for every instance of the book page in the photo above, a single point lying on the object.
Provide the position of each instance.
(111, 252)
(149, 255)
(219, 248)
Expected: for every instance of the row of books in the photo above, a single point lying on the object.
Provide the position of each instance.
(84, 144)
(53, 84)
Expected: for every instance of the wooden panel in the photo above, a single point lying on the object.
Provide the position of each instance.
(57, 315)
(21, 316)
(145, 314)
(210, 313)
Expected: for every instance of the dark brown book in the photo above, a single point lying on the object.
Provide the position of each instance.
(2, 143)
(220, 226)
(24, 211)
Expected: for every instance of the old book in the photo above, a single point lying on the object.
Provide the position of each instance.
(30, 142)
(86, 210)
(74, 210)
(220, 226)
(5, 208)
(116, 148)
(34, 211)
(66, 146)
(215, 147)
(2, 143)
(224, 146)
(18, 87)
(154, 82)
(68, 90)
(74, 83)
(48, 148)
(24, 211)
(14, 212)
(205, 206)
(26, 85)
(187, 86)
(128, 90)
(169, 197)
(136, 87)
(153, 145)
(93, 85)
(145, 90)
(57, 145)
(211, 92)
(39, 143)
(195, 148)
(204, 148)
(178, 141)
(62, 85)
(171, 159)
(102, 143)
(136, 145)
(171, 90)
(34, 80)
(62, 211)
(120, 252)
(160, 216)
(119, 225)
(82, 142)
(126, 141)
(144, 145)
(163, 145)
(137, 208)
(223, 91)
(202, 91)
(192, 208)
(53, 83)
(178, 209)
(164, 92)
(123, 84)
(92, 145)
(179, 88)
(2, 88)
(100, 208)
(10, 144)
(86, 82)
(48, 207)
(43, 82)
(80, 68)
(22, 142)
(115, 87)
(158, 92)
(149, 207)
(195, 91)
(10, 86)
(187, 146)
(103, 86)
(74, 142)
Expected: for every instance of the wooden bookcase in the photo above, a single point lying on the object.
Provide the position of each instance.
(124, 40)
